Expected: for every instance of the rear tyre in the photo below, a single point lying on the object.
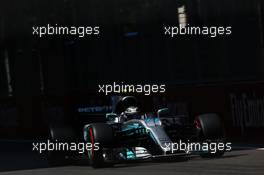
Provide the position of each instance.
(100, 135)
(58, 134)
(211, 131)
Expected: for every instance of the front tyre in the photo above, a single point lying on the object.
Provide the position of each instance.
(100, 135)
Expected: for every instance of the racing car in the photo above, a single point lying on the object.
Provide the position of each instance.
(131, 134)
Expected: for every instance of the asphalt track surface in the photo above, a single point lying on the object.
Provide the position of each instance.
(247, 161)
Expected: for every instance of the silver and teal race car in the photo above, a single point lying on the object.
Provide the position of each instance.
(130, 134)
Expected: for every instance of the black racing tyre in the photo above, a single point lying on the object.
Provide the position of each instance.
(62, 133)
(99, 133)
(211, 132)
(58, 134)
(211, 126)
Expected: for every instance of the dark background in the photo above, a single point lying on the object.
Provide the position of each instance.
(48, 77)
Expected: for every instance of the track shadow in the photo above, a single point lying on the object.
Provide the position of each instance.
(170, 160)
(21, 161)
(152, 162)
(198, 158)
(20, 157)
(231, 156)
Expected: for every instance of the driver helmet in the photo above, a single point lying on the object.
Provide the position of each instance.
(132, 112)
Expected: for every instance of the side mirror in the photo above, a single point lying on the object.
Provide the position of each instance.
(111, 116)
(164, 112)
